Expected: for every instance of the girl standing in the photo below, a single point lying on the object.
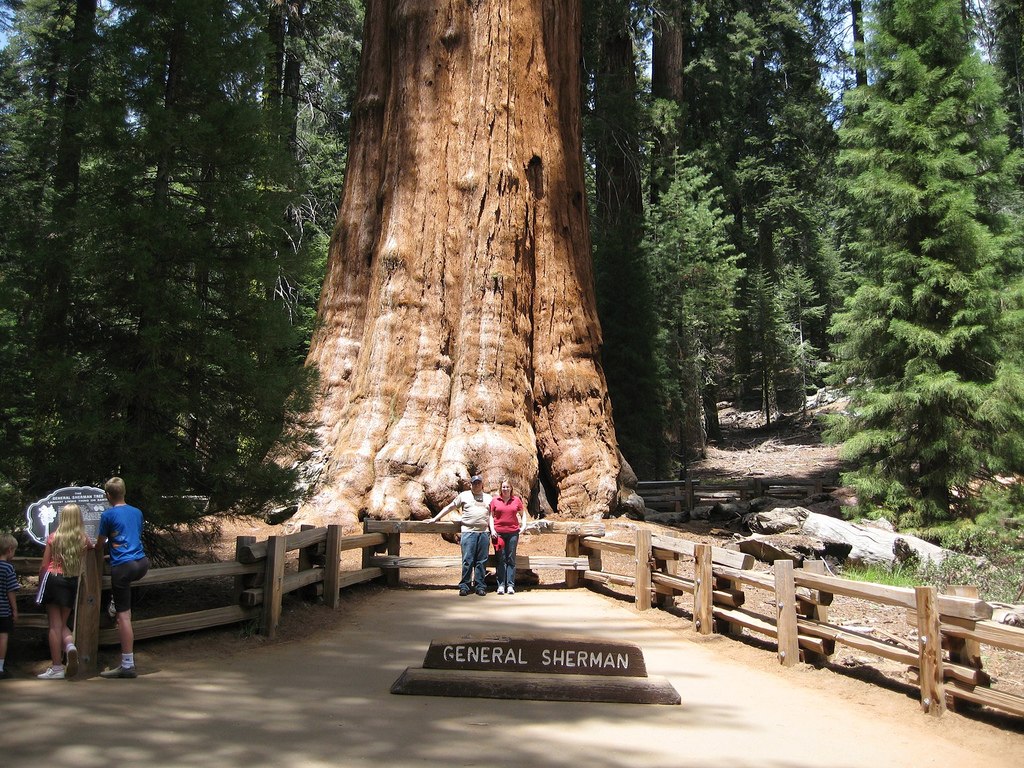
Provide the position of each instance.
(63, 562)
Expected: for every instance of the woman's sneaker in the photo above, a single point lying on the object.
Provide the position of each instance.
(52, 673)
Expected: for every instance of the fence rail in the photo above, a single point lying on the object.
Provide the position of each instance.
(684, 495)
(260, 585)
(946, 660)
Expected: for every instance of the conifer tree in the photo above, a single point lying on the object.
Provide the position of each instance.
(925, 336)
(174, 356)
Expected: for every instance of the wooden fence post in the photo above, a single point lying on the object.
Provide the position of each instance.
(594, 561)
(670, 568)
(689, 495)
(243, 583)
(332, 567)
(933, 688)
(643, 569)
(393, 576)
(785, 605)
(703, 593)
(572, 549)
(816, 609)
(273, 585)
(307, 560)
(87, 618)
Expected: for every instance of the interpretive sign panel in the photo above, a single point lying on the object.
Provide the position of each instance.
(43, 516)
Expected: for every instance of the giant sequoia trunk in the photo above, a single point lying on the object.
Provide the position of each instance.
(458, 331)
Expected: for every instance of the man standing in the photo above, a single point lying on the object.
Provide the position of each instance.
(121, 528)
(476, 534)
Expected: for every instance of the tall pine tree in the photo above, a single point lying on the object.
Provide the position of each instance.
(925, 336)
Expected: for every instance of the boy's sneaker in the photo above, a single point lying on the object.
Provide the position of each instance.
(117, 672)
(511, 590)
(71, 668)
(481, 591)
(501, 589)
(52, 673)
(463, 591)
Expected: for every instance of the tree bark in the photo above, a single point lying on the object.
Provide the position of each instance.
(458, 333)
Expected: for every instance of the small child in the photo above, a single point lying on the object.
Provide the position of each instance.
(8, 602)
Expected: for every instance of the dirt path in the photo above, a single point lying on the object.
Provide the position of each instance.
(324, 701)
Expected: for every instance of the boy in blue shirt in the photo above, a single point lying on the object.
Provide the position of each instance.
(121, 529)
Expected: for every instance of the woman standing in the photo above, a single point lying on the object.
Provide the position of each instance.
(63, 562)
(508, 520)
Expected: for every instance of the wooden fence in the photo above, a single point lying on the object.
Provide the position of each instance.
(951, 628)
(260, 585)
(684, 495)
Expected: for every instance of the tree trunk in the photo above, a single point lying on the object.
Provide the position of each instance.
(458, 331)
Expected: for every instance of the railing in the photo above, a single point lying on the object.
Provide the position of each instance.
(392, 563)
(684, 495)
(951, 628)
(260, 585)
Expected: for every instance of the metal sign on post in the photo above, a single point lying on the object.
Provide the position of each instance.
(43, 516)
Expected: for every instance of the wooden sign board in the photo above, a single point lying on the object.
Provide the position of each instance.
(43, 516)
(556, 656)
(538, 668)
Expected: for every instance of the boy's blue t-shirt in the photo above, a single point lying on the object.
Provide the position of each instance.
(8, 583)
(122, 527)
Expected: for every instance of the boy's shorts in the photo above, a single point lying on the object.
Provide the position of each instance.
(121, 578)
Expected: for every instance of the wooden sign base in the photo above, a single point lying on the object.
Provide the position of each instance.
(537, 668)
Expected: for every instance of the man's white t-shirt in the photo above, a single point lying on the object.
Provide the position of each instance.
(475, 510)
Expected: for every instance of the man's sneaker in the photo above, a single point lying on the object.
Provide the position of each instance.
(111, 609)
(501, 589)
(463, 591)
(52, 673)
(511, 590)
(481, 591)
(116, 672)
(71, 668)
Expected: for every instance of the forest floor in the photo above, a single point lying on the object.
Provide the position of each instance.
(794, 448)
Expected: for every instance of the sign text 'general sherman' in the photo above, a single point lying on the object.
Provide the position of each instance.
(569, 655)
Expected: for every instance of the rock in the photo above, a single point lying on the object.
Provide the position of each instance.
(881, 523)
(782, 546)
(281, 514)
(725, 511)
(869, 544)
(667, 518)
(778, 520)
(702, 512)
(631, 506)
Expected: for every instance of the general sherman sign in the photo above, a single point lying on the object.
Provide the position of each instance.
(566, 656)
(43, 516)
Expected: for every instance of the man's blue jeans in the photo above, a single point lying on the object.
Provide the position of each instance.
(507, 560)
(474, 557)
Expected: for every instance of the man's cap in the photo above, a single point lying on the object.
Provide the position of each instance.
(475, 479)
